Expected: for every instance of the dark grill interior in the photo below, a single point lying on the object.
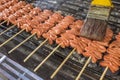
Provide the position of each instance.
(77, 8)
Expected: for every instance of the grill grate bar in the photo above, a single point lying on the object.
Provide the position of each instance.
(46, 58)
(33, 52)
(3, 22)
(36, 50)
(7, 29)
(103, 74)
(60, 66)
(21, 43)
(81, 72)
(11, 38)
(17, 71)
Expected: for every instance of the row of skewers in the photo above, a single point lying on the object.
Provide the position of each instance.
(56, 28)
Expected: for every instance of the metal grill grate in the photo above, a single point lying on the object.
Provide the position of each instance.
(70, 7)
(14, 71)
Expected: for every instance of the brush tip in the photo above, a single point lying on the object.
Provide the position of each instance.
(94, 29)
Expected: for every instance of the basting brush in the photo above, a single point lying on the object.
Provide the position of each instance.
(95, 24)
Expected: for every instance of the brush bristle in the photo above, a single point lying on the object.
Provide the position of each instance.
(94, 29)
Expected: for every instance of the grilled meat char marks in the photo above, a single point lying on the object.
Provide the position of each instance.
(63, 30)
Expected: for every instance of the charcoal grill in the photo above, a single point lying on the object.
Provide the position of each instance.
(71, 68)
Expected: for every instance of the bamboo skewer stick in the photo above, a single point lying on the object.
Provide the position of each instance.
(7, 29)
(60, 66)
(21, 43)
(46, 58)
(3, 22)
(11, 37)
(103, 74)
(33, 52)
(87, 62)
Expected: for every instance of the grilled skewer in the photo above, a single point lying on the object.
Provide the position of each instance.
(34, 33)
(7, 5)
(81, 45)
(52, 34)
(81, 72)
(54, 18)
(20, 14)
(76, 25)
(58, 25)
(11, 10)
(103, 74)
(67, 19)
(45, 58)
(12, 36)
(81, 52)
(2, 2)
(60, 66)
(21, 43)
(112, 59)
(3, 22)
(100, 47)
(7, 29)
(35, 50)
